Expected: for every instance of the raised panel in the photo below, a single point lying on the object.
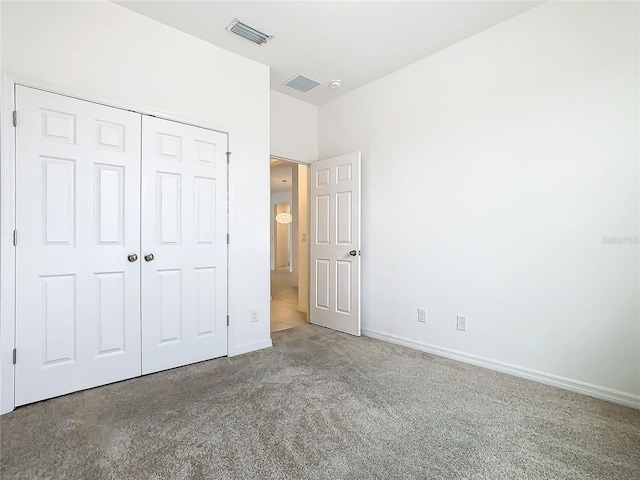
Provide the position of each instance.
(169, 200)
(322, 283)
(59, 310)
(110, 136)
(169, 146)
(322, 220)
(109, 203)
(206, 287)
(322, 177)
(58, 126)
(343, 218)
(205, 152)
(170, 305)
(111, 312)
(343, 173)
(59, 201)
(343, 286)
(205, 202)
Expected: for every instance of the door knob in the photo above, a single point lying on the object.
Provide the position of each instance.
(353, 253)
(149, 257)
(132, 258)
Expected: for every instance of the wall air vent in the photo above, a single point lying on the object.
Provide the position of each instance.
(247, 31)
(301, 83)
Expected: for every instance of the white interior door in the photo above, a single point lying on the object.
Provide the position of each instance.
(335, 243)
(184, 247)
(77, 220)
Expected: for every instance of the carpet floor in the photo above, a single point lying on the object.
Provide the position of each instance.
(323, 405)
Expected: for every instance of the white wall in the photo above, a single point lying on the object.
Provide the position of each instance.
(294, 128)
(302, 238)
(283, 239)
(492, 171)
(276, 198)
(295, 212)
(99, 50)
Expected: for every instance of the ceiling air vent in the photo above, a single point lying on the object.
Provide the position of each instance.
(301, 83)
(247, 31)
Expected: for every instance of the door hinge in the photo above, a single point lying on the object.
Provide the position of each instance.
(15, 118)
(228, 157)
(227, 239)
(15, 238)
(227, 320)
(15, 355)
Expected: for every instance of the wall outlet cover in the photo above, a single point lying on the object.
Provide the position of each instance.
(461, 323)
(422, 315)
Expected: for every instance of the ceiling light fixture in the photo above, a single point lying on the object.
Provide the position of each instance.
(335, 83)
(247, 31)
(284, 217)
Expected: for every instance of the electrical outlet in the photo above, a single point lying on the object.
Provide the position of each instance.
(422, 315)
(254, 316)
(461, 323)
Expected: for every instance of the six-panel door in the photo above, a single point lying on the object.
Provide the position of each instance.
(184, 227)
(84, 275)
(77, 220)
(335, 243)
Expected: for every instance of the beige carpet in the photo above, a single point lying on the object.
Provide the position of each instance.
(323, 405)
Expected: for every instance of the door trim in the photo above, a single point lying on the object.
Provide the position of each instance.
(8, 215)
(7, 250)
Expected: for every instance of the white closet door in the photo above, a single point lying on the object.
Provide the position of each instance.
(184, 227)
(78, 218)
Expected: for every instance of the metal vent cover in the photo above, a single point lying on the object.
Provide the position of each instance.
(301, 83)
(247, 31)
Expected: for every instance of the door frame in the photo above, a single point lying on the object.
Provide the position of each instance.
(8, 213)
(272, 220)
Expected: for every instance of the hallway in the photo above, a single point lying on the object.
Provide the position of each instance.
(284, 302)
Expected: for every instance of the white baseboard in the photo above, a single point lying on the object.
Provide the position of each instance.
(577, 386)
(249, 347)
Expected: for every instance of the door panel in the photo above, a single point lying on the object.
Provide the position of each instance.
(111, 308)
(335, 231)
(184, 227)
(77, 295)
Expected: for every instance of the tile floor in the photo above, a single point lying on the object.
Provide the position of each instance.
(284, 302)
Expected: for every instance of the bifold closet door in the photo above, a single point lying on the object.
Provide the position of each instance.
(184, 247)
(77, 222)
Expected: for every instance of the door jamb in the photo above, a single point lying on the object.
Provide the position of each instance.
(7, 249)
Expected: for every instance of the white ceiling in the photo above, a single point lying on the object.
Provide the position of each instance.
(354, 41)
(281, 170)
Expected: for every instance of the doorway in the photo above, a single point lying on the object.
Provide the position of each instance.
(289, 245)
